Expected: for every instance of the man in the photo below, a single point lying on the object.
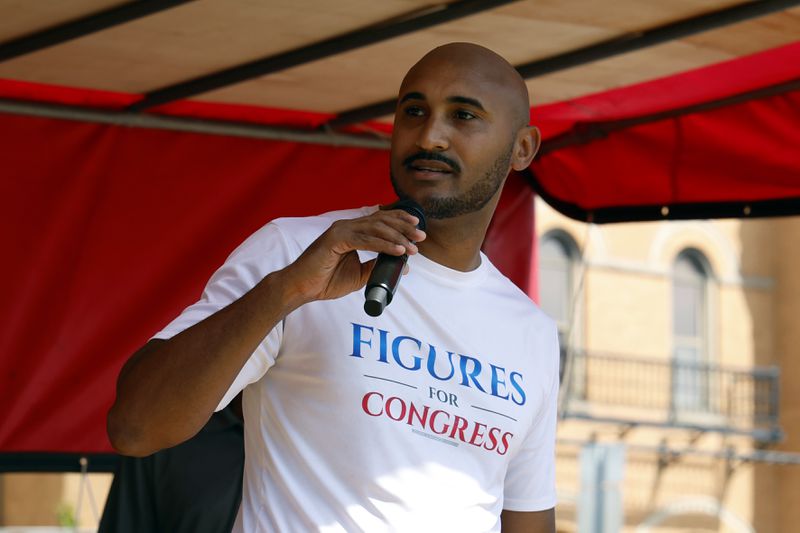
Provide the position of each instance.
(438, 415)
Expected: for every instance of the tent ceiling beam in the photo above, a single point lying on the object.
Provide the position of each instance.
(626, 43)
(654, 36)
(234, 129)
(84, 26)
(319, 50)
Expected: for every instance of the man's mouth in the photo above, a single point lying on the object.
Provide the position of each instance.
(431, 166)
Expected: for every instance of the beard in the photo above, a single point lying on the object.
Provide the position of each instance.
(471, 200)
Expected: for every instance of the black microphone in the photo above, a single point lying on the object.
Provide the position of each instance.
(389, 268)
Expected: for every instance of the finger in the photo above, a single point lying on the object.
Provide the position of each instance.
(403, 222)
(372, 243)
(391, 231)
(399, 213)
(376, 234)
(367, 234)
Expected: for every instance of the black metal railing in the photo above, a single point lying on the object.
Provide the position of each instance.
(675, 393)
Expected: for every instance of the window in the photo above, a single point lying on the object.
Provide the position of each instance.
(557, 254)
(690, 375)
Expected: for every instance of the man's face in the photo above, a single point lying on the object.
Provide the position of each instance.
(453, 138)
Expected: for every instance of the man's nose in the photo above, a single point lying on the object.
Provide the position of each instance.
(433, 136)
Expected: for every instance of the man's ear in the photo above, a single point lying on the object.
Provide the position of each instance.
(525, 147)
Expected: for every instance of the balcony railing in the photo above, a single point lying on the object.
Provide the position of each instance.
(674, 393)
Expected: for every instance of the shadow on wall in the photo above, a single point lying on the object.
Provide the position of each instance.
(771, 249)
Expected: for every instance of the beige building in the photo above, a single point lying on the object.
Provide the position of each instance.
(679, 413)
(51, 499)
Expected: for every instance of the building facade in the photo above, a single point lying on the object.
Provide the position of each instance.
(679, 345)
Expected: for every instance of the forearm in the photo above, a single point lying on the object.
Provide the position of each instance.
(529, 522)
(167, 391)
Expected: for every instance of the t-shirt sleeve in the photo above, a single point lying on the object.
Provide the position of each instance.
(263, 252)
(530, 483)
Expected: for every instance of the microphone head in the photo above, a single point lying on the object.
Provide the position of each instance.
(410, 206)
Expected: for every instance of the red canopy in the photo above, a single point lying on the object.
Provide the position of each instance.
(111, 230)
(721, 141)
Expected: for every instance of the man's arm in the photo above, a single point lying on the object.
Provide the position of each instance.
(528, 522)
(168, 389)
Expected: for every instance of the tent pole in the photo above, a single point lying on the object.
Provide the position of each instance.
(235, 129)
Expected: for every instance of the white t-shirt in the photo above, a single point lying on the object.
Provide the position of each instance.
(435, 416)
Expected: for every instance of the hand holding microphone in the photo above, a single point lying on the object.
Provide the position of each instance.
(388, 269)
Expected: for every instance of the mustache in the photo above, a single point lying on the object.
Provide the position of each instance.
(432, 156)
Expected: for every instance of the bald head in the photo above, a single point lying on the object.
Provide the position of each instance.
(481, 62)
(460, 126)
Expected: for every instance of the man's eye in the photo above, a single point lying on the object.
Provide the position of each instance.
(464, 115)
(414, 111)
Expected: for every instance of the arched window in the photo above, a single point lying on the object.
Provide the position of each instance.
(691, 372)
(557, 256)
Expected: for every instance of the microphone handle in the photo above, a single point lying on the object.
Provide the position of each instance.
(383, 282)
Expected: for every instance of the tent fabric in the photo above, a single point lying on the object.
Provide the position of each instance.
(511, 239)
(735, 161)
(111, 231)
(718, 141)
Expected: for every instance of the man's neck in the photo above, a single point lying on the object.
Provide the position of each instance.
(456, 242)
